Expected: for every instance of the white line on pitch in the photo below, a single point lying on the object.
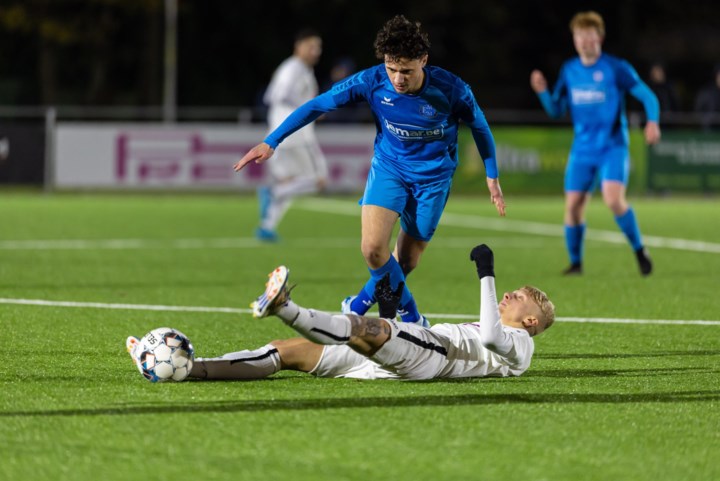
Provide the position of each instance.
(520, 226)
(233, 310)
(135, 307)
(234, 243)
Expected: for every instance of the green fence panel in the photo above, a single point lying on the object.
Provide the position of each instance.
(685, 161)
(532, 160)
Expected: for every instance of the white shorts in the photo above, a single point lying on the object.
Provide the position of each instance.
(412, 352)
(302, 161)
(342, 361)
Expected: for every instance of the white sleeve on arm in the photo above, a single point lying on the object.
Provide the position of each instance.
(492, 333)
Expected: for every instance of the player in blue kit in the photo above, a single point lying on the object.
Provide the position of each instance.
(417, 109)
(593, 86)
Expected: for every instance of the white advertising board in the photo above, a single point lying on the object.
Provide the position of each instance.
(149, 156)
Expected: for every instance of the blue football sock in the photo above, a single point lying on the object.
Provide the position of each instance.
(628, 224)
(366, 297)
(574, 236)
(408, 310)
(363, 301)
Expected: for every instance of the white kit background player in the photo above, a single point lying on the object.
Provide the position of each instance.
(347, 345)
(299, 166)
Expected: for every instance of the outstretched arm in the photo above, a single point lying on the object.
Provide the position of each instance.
(302, 116)
(644, 94)
(485, 144)
(470, 112)
(493, 335)
(554, 105)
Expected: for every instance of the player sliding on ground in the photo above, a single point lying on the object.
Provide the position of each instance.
(500, 344)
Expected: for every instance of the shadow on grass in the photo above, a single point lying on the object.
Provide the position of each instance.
(379, 402)
(580, 373)
(628, 355)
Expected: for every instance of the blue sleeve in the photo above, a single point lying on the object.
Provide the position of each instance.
(644, 94)
(352, 89)
(556, 104)
(302, 116)
(470, 112)
(485, 144)
(628, 80)
(626, 75)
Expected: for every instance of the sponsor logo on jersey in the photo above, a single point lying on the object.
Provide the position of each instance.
(587, 96)
(406, 132)
(598, 76)
(387, 101)
(428, 111)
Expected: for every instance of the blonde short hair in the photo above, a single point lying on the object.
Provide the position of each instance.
(547, 308)
(589, 19)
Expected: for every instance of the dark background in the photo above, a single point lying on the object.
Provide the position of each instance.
(110, 52)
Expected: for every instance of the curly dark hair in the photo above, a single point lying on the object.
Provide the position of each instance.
(400, 38)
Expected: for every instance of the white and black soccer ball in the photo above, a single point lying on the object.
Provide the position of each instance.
(165, 354)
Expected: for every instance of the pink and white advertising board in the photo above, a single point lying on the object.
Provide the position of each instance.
(156, 156)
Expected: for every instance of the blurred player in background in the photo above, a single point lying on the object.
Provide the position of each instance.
(707, 102)
(417, 110)
(351, 113)
(499, 344)
(663, 88)
(299, 166)
(593, 86)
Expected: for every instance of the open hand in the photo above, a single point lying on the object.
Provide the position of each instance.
(260, 153)
(388, 299)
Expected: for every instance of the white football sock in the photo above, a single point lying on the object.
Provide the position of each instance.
(276, 211)
(317, 326)
(295, 187)
(256, 364)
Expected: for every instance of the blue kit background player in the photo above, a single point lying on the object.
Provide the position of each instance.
(417, 111)
(593, 87)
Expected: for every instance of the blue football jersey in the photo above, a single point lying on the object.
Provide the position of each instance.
(417, 134)
(595, 96)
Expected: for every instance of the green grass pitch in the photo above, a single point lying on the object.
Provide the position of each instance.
(601, 401)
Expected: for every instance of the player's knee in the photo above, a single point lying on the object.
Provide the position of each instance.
(368, 334)
(375, 254)
(616, 204)
(297, 354)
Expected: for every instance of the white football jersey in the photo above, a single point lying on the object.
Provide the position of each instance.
(292, 84)
(467, 357)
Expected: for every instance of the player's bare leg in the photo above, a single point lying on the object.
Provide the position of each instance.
(377, 228)
(408, 251)
(298, 354)
(614, 197)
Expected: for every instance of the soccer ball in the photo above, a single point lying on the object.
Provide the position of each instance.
(165, 354)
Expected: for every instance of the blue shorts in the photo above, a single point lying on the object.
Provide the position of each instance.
(419, 203)
(584, 170)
